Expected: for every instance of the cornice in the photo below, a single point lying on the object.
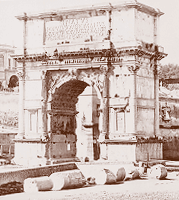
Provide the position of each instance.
(97, 8)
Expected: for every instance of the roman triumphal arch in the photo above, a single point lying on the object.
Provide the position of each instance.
(88, 84)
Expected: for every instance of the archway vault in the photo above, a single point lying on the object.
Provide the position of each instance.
(63, 117)
(65, 97)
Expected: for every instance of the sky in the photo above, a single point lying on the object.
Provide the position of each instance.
(11, 31)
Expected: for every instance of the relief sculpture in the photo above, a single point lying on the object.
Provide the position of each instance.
(62, 124)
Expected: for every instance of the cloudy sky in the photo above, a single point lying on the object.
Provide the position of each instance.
(11, 29)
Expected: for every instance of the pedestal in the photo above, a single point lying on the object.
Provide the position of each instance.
(30, 152)
(131, 151)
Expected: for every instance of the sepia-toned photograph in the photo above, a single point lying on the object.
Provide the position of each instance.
(89, 99)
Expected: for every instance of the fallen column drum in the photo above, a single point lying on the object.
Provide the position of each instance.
(67, 179)
(104, 176)
(43, 183)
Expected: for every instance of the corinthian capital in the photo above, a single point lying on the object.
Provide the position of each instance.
(134, 67)
(21, 75)
(104, 69)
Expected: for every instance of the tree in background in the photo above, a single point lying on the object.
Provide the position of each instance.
(169, 71)
(169, 76)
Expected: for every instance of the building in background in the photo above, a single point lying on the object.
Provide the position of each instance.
(8, 77)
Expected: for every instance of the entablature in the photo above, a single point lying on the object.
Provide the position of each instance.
(100, 56)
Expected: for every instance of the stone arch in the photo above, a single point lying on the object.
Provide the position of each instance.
(13, 81)
(95, 80)
(63, 99)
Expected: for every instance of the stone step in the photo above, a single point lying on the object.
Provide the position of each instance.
(172, 163)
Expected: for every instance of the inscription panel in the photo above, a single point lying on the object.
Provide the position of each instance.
(77, 30)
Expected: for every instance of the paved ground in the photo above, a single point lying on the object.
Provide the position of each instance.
(135, 189)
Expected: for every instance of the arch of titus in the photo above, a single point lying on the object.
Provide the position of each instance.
(89, 85)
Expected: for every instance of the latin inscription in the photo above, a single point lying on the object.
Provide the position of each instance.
(93, 28)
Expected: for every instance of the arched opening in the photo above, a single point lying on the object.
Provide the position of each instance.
(13, 81)
(74, 121)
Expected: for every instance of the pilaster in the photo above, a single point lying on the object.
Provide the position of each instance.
(44, 106)
(156, 100)
(21, 121)
(133, 68)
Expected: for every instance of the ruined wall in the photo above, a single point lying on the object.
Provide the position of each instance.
(169, 127)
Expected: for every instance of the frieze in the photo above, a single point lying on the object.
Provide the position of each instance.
(91, 60)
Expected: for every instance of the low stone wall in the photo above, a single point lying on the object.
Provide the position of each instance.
(171, 149)
(149, 151)
(19, 174)
(131, 150)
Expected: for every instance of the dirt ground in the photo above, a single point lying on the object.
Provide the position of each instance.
(134, 189)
